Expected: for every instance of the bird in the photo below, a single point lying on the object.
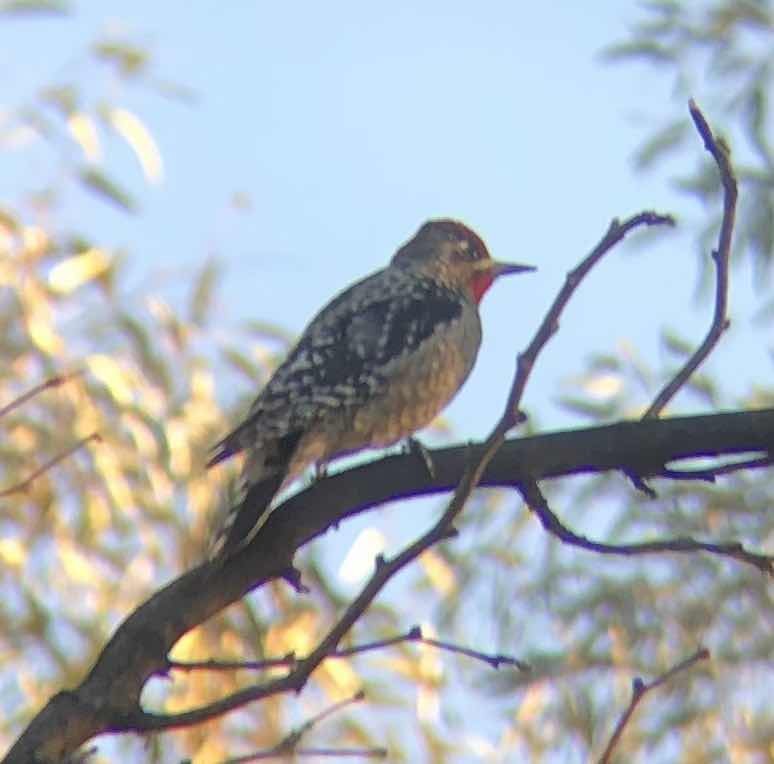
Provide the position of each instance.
(379, 362)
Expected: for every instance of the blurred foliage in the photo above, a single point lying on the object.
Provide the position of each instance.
(720, 52)
(84, 543)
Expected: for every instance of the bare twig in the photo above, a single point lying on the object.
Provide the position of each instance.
(289, 744)
(333, 753)
(413, 635)
(539, 505)
(721, 154)
(55, 381)
(45, 467)
(640, 689)
(495, 661)
(550, 325)
(217, 665)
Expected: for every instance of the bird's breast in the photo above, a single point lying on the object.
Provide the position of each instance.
(416, 387)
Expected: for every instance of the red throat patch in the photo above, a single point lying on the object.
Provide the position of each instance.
(480, 284)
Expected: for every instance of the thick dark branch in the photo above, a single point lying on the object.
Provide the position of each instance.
(442, 529)
(721, 154)
(139, 647)
(109, 699)
(640, 689)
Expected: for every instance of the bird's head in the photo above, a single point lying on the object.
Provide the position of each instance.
(452, 253)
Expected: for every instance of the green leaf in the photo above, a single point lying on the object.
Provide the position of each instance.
(676, 345)
(8, 221)
(640, 49)
(269, 331)
(130, 59)
(241, 363)
(62, 97)
(202, 292)
(663, 142)
(100, 184)
(37, 7)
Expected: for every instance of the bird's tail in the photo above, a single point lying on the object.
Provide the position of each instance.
(265, 470)
(246, 517)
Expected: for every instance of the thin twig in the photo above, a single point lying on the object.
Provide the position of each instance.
(640, 689)
(333, 753)
(413, 635)
(218, 665)
(288, 745)
(550, 325)
(537, 502)
(443, 528)
(495, 661)
(55, 381)
(60, 457)
(721, 154)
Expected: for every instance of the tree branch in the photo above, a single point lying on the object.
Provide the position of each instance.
(539, 505)
(720, 323)
(139, 647)
(55, 381)
(289, 744)
(109, 698)
(23, 485)
(412, 635)
(640, 689)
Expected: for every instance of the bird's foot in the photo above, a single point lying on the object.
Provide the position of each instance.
(417, 448)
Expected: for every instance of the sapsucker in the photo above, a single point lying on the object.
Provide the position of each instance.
(377, 363)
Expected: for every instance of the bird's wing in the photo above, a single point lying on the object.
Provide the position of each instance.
(345, 355)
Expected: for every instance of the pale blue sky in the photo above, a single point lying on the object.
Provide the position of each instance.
(348, 124)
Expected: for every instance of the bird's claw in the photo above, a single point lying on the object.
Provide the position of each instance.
(417, 448)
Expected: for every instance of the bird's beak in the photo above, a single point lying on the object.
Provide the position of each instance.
(498, 268)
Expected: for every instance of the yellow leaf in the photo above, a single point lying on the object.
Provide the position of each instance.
(74, 272)
(339, 679)
(532, 705)
(134, 132)
(43, 335)
(295, 636)
(203, 384)
(12, 553)
(188, 647)
(9, 275)
(142, 435)
(75, 564)
(35, 240)
(438, 571)
(179, 448)
(160, 484)
(84, 131)
(98, 512)
(110, 373)
(39, 319)
(116, 484)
